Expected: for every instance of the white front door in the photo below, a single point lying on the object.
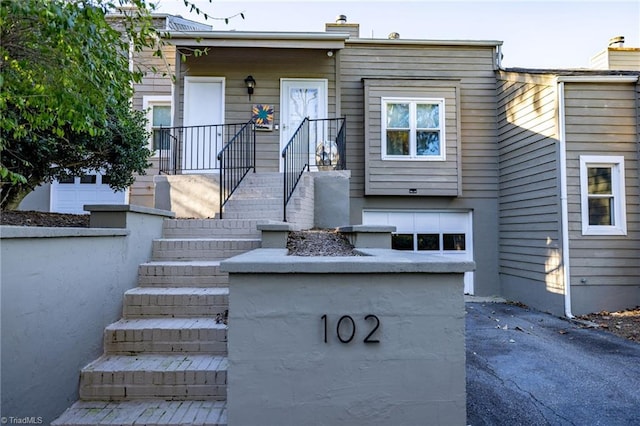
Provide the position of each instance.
(203, 108)
(448, 233)
(300, 98)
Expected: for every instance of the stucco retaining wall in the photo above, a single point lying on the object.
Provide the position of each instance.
(409, 308)
(60, 288)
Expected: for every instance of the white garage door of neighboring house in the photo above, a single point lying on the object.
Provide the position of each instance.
(70, 195)
(447, 233)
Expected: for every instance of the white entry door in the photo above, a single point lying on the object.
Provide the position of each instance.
(448, 233)
(300, 98)
(203, 108)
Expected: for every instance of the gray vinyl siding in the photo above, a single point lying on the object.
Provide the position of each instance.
(602, 119)
(156, 80)
(472, 66)
(624, 59)
(473, 70)
(529, 204)
(267, 66)
(397, 177)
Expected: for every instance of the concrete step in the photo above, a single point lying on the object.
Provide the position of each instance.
(166, 335)
(196, 273)
(170, 377)
(175, 302)
(156, 412)
(201, 248)
(210, 228)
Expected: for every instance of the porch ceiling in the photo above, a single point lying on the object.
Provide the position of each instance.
(259, 39)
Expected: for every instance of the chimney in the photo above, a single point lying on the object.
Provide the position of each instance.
(341, 26)
(615, 42)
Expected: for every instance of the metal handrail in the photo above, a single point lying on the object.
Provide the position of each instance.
(193, 148)
(295, 157)
(235, 159)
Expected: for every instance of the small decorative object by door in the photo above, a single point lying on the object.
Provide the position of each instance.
(327, 155)
(262, 115)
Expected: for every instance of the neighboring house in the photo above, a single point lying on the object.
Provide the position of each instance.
(154, 95)
(532, 174)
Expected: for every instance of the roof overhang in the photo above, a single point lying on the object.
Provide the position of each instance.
(419, 42)
(274, 40)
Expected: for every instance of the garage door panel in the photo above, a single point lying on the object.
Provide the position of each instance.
(447, 233)
(71, 195)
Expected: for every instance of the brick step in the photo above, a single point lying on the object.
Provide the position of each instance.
(175, 302)
(196, 273)
(253, 206)
(156, 412)
(170, 377)
(253, 214)
(210, 228)
(254, 190)
(201, 248)
(255, 202)
(166, 335)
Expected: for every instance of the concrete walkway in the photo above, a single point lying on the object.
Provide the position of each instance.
(525, 367)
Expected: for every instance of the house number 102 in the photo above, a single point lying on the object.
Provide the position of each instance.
(346, 328)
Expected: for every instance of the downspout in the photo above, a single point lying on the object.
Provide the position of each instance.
(564, 205)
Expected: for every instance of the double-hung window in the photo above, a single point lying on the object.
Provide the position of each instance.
(602, 195)
(159, 115)
(413, 129)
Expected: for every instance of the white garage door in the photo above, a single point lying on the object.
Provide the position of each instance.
(447, 233)
(70, 195)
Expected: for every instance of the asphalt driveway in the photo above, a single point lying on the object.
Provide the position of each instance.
(525, 367)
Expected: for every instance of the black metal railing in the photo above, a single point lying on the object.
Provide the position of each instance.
(295, 156)
(192, 148)
(235, 159)
(328, 136)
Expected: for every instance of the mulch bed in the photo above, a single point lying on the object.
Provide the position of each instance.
(33, 218)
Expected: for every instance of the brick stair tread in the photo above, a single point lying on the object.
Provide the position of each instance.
(196, 263)
(187, 239)
(157, 363)
(144, 412)
(179, 291)
(165, 324)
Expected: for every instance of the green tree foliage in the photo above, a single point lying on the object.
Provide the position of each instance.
(65, 90)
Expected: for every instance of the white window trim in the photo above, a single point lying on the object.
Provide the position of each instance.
(147, 103)
(412, 142)
(616, 163)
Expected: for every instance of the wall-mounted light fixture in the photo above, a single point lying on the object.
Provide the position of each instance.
(251, 83)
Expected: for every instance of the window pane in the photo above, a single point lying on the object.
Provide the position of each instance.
(601, 211)
(66, 180)
(599, 180)
(161, 139)
(428, 241)
(397, 142)
(398, 115)
(428, 143)
(428, 116)
(88, 179)
(106, 179)
(161, 116)
(453, 241)
(402, 241)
